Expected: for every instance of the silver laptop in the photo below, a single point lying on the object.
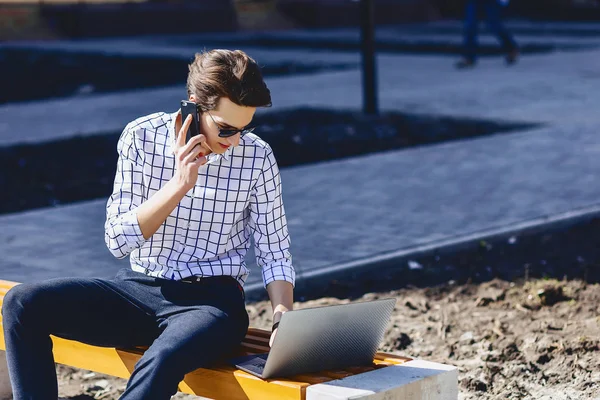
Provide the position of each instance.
(322, 338)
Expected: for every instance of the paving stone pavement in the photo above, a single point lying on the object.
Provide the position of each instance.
(357, 208)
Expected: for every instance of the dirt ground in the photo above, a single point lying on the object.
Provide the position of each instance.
(532, 340)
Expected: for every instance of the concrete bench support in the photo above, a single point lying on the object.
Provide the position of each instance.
(413, 380)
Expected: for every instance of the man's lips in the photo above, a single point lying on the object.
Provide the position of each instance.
(224, 146)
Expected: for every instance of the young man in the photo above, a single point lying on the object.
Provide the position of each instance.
(493, 11)
(184, 212)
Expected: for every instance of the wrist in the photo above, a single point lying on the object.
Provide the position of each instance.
(178, 185)
(277, 316)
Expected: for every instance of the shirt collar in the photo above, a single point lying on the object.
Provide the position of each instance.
(212, 157)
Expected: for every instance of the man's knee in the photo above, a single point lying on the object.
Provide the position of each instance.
(19, 302)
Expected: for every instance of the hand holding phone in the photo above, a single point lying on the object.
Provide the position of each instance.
(188, 156)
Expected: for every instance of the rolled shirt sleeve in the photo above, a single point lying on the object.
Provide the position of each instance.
(122, 232)
(268, 221)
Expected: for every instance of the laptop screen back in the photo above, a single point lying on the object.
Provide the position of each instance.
(328, 338)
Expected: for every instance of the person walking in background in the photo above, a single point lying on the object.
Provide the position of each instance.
(493, 11)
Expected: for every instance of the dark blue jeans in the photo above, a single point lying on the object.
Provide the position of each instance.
(493, 12)
(187, 326)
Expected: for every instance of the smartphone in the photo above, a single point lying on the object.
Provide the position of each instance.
(187, 108)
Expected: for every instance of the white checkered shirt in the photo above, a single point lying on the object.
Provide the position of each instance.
(238, 194)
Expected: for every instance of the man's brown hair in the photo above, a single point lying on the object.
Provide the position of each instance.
(227, 73)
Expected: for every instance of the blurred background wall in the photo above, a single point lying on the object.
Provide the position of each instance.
(46, 19)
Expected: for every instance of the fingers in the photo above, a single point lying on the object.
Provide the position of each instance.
(186, 149)
(195, 141)
(204, 143)
(196, 152)
(200, 161)
(183, 131)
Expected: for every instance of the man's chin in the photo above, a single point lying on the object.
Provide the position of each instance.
(219, 149)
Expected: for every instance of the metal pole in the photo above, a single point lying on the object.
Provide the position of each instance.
(368, 57)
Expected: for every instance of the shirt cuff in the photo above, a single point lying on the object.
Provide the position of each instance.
(279, 272)
(130, 231)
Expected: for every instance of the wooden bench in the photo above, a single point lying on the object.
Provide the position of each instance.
(220, 382)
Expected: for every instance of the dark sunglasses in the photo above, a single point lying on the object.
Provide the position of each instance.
(231, 132)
